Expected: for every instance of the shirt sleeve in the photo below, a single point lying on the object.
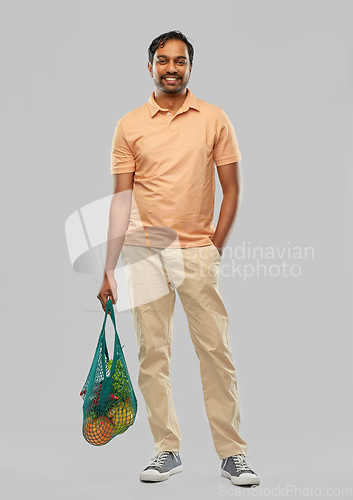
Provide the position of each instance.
(226, 148)
(122, 158)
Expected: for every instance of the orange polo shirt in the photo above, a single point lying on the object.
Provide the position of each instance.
(173, 159)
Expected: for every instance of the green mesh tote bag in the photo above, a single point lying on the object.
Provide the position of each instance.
(109, 401)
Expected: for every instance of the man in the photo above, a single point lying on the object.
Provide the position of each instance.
(163, 157)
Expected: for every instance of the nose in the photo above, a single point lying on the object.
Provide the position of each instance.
(171, 67)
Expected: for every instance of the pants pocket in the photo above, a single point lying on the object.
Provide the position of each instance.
(217, 254)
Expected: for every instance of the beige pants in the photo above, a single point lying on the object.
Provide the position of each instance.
(152, 276)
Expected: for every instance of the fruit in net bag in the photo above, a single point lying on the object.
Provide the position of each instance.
(121, 416)
(98, 430)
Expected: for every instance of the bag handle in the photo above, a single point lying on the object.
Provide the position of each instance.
(103, 330)
(109, 307)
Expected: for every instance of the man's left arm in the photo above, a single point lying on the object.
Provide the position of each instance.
(230, 177)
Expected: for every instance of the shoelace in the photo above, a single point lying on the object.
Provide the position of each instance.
(159, 460)
(240, 463)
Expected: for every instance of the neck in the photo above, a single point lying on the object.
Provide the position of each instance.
(170, 101)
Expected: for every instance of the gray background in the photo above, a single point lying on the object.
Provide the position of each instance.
(282, 71)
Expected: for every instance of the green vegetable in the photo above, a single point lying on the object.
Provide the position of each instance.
(121, 383)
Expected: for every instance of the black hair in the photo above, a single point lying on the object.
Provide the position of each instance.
(171, 35)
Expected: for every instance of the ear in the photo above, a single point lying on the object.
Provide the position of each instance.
(149, 66)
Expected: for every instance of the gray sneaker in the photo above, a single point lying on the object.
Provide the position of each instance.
(237, 470)
(162, 466)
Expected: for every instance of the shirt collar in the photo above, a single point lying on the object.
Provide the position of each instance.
(190, 102)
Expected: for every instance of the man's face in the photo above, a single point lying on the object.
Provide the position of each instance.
(172, 60)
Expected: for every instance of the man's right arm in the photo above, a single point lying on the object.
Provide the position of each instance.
(119, 215)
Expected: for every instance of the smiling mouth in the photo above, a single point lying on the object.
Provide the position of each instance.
(171, 80)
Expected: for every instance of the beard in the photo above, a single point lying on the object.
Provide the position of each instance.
(178, 87)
